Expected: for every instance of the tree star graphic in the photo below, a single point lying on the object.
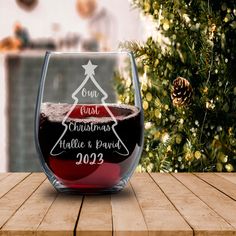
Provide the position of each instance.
(89, 68)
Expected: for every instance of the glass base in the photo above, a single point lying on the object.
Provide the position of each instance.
(87, 189)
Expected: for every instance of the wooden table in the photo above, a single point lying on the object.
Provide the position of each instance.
(155, 204)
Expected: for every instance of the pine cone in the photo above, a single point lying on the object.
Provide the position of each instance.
(182, 92)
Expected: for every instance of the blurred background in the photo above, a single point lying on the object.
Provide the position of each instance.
(27, 29)
(186, 57)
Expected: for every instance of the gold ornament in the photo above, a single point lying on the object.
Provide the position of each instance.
(155, 5)
(147, 6)
(222, 157)
(229, 167)
(178, 139)
(188, 156)
(219, 167)
(149, 96)
(145, 105)
(205, 90)
(166, 24)
(157, 114)
(197, 154)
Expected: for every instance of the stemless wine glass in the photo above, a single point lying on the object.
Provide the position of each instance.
(89, 121)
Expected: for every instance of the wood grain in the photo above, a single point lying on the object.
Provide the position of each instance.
(95, 217)
(61, 217)
(221, 203)
(10, 181)
(160, 215)
(10, 202)
(200, 204)
(220, 183)
(128, 219)
(3, 175)
(199, 216)
(29, 216)
(229, 176)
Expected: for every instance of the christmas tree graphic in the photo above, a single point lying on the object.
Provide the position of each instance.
(89, 73)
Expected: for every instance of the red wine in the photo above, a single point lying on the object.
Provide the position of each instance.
(89, 146)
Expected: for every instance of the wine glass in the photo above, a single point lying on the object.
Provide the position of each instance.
(88, 128)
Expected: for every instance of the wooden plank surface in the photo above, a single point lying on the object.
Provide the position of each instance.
(200, 216)
(61, 217)
(221, 203)
(10, 202)
(229, 176)
(160, 215)
(198, 204)
(3, 175)
(95, 218)
(220, 183)
(10, 181)
(128, 219)
(29, 216)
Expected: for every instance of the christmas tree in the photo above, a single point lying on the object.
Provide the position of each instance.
(188, 81)
(66, 139)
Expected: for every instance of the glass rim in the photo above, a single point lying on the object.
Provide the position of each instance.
(128, 52)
